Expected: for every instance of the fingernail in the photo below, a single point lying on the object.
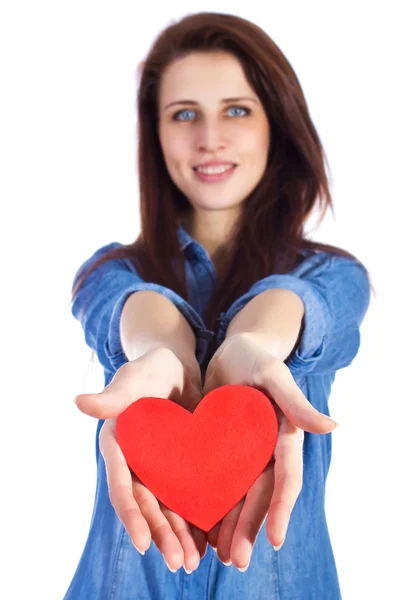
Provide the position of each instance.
(228, 564)
(278, 547)
(243, 569)
(140, 551)
(172, 570)
(214, 548)
(188, 572)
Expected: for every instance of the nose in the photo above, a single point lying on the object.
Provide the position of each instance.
(210, 136)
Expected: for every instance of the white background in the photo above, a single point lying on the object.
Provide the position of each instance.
(69, 185)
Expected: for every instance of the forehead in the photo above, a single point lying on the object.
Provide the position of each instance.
(201, 74)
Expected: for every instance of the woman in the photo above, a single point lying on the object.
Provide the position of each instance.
(221, 287)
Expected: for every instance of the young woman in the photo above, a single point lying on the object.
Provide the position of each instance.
(221, 287)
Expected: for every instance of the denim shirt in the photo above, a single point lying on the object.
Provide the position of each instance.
(336, 295)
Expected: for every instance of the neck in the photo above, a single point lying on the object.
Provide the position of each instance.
(218, 248)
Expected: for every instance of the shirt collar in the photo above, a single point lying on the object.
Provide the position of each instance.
(184, 238)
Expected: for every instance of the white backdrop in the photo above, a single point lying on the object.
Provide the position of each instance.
(69, 185)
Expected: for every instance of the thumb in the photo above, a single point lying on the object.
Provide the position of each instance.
(106, 404)
(210, 383)
(194, 400)
(191, 396)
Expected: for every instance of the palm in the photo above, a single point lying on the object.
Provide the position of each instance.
(235, 535)
(158, 373)
(243, 360)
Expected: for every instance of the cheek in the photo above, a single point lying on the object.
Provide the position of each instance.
(253, 136)
(254, 144)
(170, 143)
(176, 151)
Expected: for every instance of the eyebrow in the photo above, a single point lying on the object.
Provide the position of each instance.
(224, 101)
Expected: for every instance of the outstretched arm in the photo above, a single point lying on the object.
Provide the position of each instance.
(259, 338)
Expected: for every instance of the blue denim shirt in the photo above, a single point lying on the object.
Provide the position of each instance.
(336, 295)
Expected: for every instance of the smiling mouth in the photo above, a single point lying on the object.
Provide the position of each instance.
(230, 166)
(214, 177)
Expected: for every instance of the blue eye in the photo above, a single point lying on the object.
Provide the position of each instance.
(181, 112)
(247, 110)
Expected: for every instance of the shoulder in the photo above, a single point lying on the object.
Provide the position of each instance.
(321, 262)
(103, 250)
(334, 276)
(119, 254)
(106, 266)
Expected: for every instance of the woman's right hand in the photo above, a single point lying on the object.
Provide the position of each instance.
(158, 373)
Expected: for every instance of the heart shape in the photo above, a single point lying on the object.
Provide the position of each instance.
(200, 464)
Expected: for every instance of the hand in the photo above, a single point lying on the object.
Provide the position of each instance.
(243, 360)
(161, 374)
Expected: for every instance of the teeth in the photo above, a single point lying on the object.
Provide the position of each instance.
(214, 170)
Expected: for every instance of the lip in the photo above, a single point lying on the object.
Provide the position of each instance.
(205, 178)
(214, 163)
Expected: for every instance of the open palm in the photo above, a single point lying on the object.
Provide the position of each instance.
(242, 360)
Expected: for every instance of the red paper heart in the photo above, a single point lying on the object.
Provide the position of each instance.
(200, 464)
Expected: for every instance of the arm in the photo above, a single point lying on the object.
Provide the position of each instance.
(275, 318)
(114, 288)
(149, 320)
(335, 294)
(128, 322)
(259, 337)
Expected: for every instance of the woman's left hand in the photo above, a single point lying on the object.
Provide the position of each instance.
(243, 360)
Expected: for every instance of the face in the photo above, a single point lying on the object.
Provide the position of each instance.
(201, 126)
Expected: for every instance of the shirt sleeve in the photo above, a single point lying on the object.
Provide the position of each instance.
(99, 302)
(335, 291)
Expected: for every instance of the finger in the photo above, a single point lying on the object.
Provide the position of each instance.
(251, 518)
(210, 383)
(226, 532)
(191, 395)
(212, 535)
(158, 373)
(288, 476)
(200, 538)
(105, 405)
(119, 481)
(182, 530)
(164, 537)
(125, 388)
(278, 382)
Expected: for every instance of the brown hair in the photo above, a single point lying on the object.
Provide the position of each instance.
(269, 236)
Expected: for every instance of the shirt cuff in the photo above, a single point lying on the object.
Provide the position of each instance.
(113, 347)
(316, 318)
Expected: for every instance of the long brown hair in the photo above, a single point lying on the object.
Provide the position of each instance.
(269, 237)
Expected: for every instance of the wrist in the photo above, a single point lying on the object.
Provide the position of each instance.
(274, 345)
